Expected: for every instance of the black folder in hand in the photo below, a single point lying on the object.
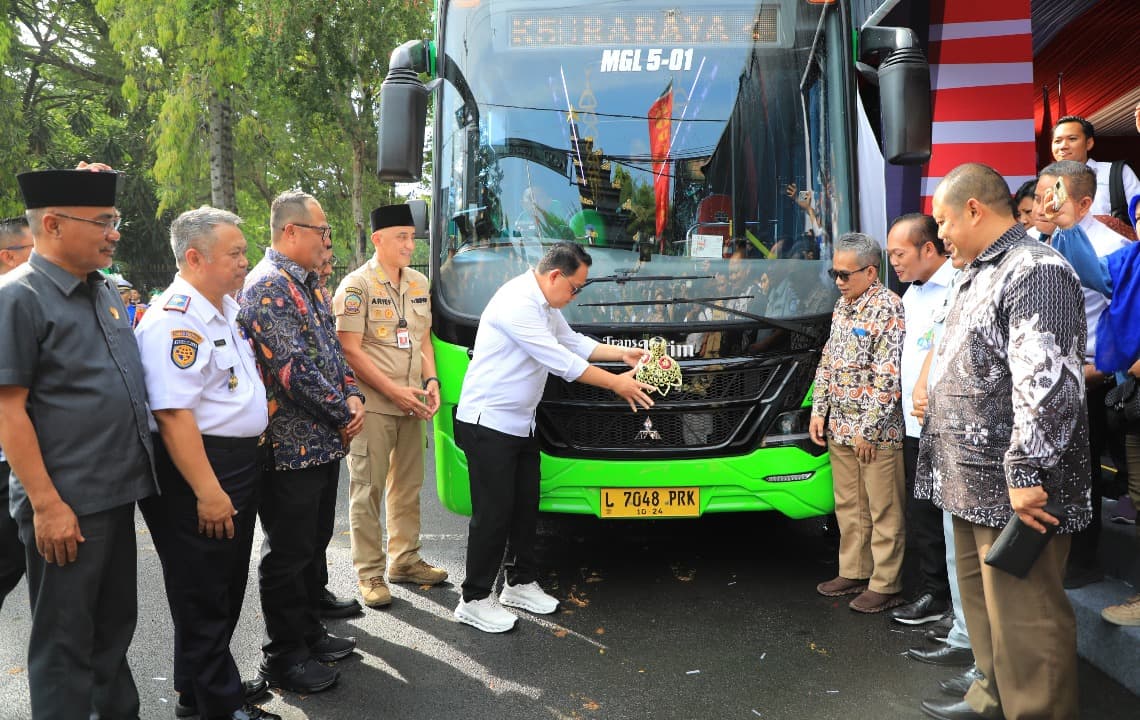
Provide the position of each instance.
(1018, 545)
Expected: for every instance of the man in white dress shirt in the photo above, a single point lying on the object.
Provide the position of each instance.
(1082, 184)
(522, 338)
(209, 410)
(1073, 138)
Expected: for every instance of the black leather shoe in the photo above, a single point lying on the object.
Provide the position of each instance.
(248, 712)
(334, 607)
(926, 609)
(942, 655)
(331, 648)
(251, 689)
(959, 684)
(1077, 576)
(950, 710)
(303, 678)
(940, 629)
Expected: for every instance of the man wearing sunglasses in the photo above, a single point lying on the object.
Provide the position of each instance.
(73, 421)
(315, 409)
(857, 414)
(522, 339)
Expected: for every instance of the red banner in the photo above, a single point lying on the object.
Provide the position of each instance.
(660, 137)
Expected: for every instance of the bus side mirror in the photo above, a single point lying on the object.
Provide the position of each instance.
(419, 210)
(904, 93)
(403, 115)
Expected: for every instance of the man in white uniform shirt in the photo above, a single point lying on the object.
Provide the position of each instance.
(919, 257)
(1084, 567)
(1073, 138)
(15, 248)
(522, 338)
(209, 410)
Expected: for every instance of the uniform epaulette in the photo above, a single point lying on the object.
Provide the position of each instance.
(181, 303)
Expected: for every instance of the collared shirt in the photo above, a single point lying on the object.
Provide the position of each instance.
(921, 304)
(369, 303)
(197, 358)
(69, 342)
(307, 380)
(857, 381)
(521, 340)
(1102, 203)
(1007, 399)
(1105, 241)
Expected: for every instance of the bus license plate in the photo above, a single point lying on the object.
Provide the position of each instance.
(651, 502)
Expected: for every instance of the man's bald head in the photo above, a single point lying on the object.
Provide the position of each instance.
(978, 182)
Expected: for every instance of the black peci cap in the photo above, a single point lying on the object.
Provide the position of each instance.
(68, 188)
(392, 216)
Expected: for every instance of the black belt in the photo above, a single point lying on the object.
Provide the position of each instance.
(230, 443)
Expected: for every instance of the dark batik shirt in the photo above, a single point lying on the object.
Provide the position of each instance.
(857, 381)
(1007, 394)
(70, 343)
(307, 380)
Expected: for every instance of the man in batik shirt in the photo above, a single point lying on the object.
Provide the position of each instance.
(1005, 432)
(315, 409)
(856, 412)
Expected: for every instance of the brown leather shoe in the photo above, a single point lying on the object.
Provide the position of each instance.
(418, 572)
(874, 602)
(375, 593)
(839, 586)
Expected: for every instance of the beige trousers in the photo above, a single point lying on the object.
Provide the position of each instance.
(388, 457)
(1022, 630)
(870, 509)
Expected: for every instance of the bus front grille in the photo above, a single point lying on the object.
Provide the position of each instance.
(723, 408)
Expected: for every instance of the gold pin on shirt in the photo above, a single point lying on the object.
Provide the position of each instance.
(233, 383)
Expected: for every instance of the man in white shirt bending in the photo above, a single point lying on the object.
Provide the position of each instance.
(522, 338)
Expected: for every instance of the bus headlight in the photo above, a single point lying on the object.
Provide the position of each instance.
(791, 428)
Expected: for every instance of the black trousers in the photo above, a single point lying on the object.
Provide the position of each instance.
(298, 509)
(205, 577)
(925, 538)
(1085, 543)
(12, 560)
(83, 619)
(504, 507)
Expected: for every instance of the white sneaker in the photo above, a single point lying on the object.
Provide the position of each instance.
(528, 597)
(485, 614)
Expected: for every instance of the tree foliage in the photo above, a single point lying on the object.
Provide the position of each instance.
(227, 102)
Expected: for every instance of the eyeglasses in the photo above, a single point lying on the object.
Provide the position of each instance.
(574, 289)
(844, 275)
(324, 230)
(109, 226)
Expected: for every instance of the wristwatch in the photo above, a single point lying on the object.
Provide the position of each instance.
(427, 380)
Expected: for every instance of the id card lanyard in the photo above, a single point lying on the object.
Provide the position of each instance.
(403, 338)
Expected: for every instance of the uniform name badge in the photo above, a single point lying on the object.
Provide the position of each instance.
(403, 339)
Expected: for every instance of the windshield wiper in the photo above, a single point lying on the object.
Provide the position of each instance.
(623, 276)
(712, 302)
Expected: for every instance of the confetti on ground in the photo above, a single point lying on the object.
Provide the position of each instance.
(589, 704)
(832, 692)
(763, 655)
(15, 671)
(756, 712)
(600, 631)
(693, 672)
(561, 632)
(816, 649)
(732, 583)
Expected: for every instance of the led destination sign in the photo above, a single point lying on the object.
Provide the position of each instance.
(669, 28)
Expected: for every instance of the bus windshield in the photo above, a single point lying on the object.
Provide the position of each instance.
(692, 147)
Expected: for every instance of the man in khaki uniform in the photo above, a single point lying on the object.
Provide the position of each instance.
(383, 319)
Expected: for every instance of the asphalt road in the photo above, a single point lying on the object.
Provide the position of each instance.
(714, 618)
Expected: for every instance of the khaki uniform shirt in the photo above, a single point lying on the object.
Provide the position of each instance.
(369, 303)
